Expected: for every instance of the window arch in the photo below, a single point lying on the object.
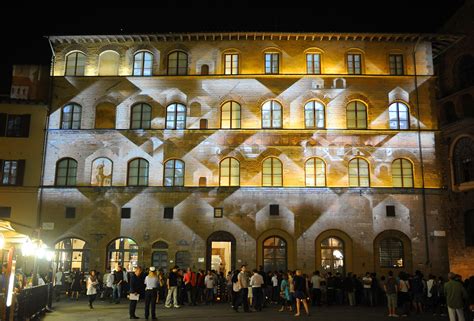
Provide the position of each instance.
(359, 173)
(402, 173)
(229, 172)
(463, 160)
(143, 63)
(178, 63)
(354, 60)
(333, 255)
(399, 116)
(391, 253)
(176, 116)
(315, 172)
(160, 255)
(272, 62)
(122, 251)
(137, 172)
(66, 172)
(72, 254)
(140, 116)
(71, 116)
(101, 174)
(314, 114)
(356, 115)
(275, 254)
(75, 64)
(109, 63)
(272, 113)
(230, 115)
(174, 173)
(231, 63)
(272, 172)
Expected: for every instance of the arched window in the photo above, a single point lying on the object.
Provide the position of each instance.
(109, 63)
(72, 254)
(402, 173)
(231, 63)
(354, 63)
(272, 114)
(313, 63)
(143, 63)
(332, 255)
(138, 172)
(399, 116)
(183, 259)
(230, 115)
(275, 254)
(178, 63)
(315, 171)
(101, 172)
(464, 71)
(66, 172)
(356, 115)
(141, 116)
(174, 173)
(314, 114)
(105, 116)
(272, 172)
(75, 64)
(122, 251)
(159, 258)
(272, 62)
(463, 160)
(359, 173)
(71, 116)
(229, 172)
(176, 116)
(391, 253)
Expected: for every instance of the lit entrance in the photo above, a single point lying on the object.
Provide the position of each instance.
(221, 256)
(221, 248)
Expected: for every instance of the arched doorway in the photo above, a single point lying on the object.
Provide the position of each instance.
(392, 251)
(275, 254)
(159, 257)
(221, 252)
(333, 252)
(122, 251)
(72, 254)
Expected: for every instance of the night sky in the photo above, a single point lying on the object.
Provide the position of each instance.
(23, 29)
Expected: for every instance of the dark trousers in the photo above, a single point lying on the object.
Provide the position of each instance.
(331, 295)
(132, 307)
(150, 299)
(191, 291)
(91, 298)
(245, 298)
(316, 296)
(257, 294)
(236, 298)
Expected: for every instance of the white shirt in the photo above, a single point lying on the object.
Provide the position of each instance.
(209, 281)
(275, 281)
(91, 286)
(316, 281)
(367, 280)
(151, 282)
(256, 281)
(429, 285)
(59, 278)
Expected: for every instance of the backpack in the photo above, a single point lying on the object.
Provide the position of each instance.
(391, 285)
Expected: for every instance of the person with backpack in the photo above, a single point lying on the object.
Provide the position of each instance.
(391, 291)
(418, 290)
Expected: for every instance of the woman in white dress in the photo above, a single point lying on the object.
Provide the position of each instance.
(92, 284)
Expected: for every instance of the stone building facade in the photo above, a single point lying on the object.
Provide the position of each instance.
(455, 70)
(315, 151)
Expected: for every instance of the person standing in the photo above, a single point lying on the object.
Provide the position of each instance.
(455, 294)
(91, 285)
(316, 288)
(58, 283)
(404, 295)
(76, 284)
(151, 293)
(285, 294)
(256, 282)
(300, 292)
(190, 284)
(210, 282)
(117, 284)
(349, 287)
(244, 281)
(367, 282)
(172, 284)
(135, 289)
(391, 290)
(275, 287)
(236, 295)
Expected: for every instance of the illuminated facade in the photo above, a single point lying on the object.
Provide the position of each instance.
(286, 150)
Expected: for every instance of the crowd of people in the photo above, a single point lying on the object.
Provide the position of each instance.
(292, 291)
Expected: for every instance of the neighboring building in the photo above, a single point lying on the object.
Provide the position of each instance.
(22, 127)
(455, 70)
(285, 150)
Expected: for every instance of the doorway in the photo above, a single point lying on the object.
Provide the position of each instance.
(221, 256)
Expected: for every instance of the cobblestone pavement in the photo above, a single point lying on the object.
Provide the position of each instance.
(104, 311)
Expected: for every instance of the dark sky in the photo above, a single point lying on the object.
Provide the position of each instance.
(22, 30)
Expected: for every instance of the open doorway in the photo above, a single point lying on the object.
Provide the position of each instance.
(221, 256)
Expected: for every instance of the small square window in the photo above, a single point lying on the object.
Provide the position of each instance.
(274, 210)
(390, 211)
(5, 211)
(126, 212)
(168, 213)
(70, 212)
(218, 212)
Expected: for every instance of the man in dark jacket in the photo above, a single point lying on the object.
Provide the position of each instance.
(136, 285)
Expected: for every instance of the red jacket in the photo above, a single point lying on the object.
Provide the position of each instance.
(190, 277)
